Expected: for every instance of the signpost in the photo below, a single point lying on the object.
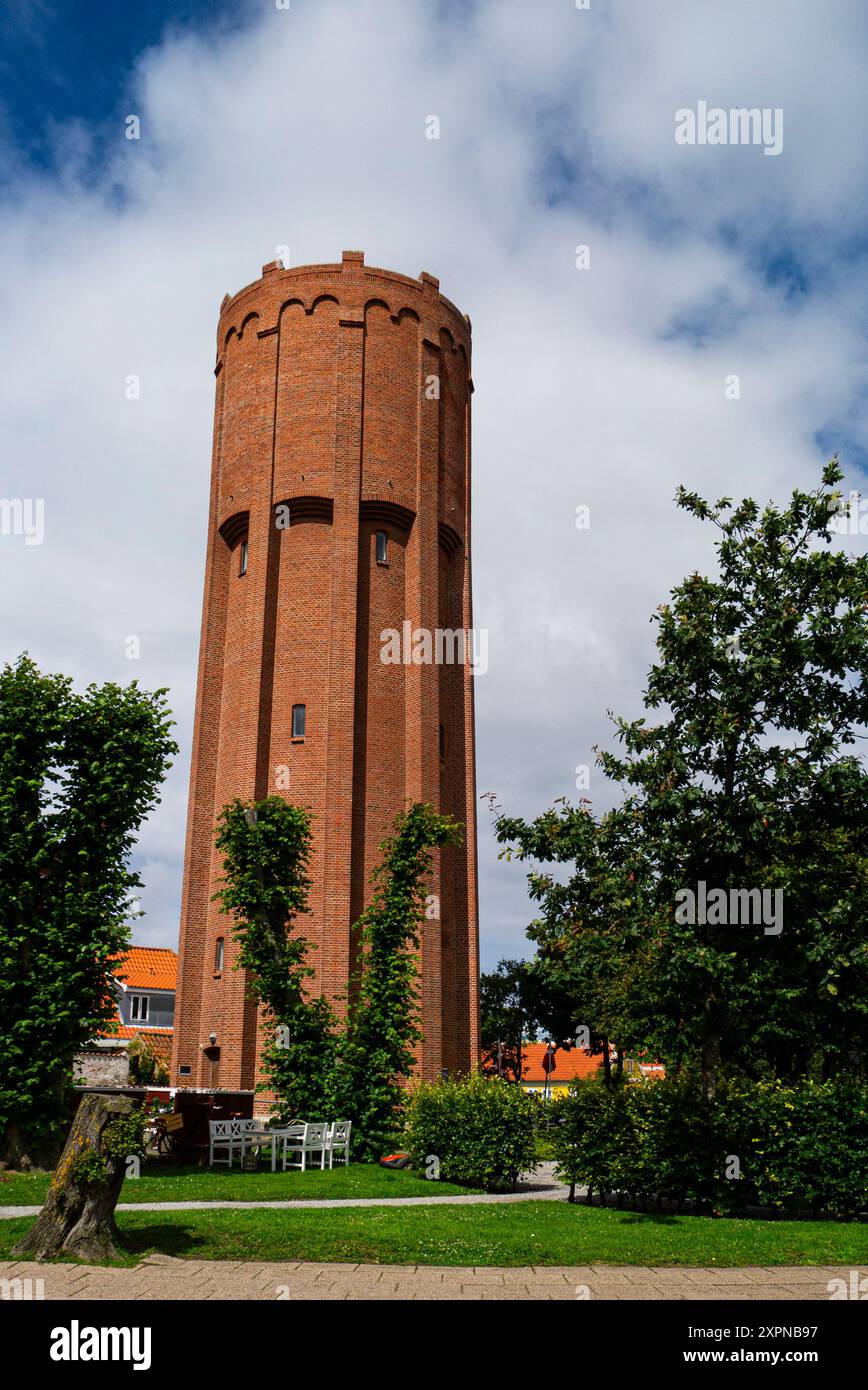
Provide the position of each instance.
(549, 1065)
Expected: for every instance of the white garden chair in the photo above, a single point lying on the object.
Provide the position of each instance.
(338, 1140)
(227, 1136)
(292, 1139)
(302, 1140)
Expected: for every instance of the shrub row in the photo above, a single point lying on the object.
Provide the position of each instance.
(480, 1130)
(760, 1144)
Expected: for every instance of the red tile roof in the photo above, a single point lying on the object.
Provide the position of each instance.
(569, 1066)
(159, 1040)
(147, 967)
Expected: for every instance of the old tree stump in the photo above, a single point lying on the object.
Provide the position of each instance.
(78, 1217)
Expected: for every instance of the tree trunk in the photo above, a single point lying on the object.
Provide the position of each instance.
(78, 1218)
(25, 1154)
(13, 1151)
(709, 1065)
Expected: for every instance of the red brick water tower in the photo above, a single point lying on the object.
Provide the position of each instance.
(340, 510)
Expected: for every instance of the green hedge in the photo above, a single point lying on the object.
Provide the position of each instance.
(480, 1129)
(764, 1144)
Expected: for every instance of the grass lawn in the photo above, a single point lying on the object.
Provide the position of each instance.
(161, 1183)
(526, 1233)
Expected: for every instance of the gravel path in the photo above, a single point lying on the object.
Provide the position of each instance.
(542, 1186)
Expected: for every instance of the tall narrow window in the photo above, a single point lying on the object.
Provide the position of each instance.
(299, 720)
(218, 954)
(442, 733)
(242, 558)
(382, 548)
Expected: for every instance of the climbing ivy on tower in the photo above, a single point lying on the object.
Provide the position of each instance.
(377, 1050)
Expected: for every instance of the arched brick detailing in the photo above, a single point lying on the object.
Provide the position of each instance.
(387, 514)
(306, 509)
(234, 528)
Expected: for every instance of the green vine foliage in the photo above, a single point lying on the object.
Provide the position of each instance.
(377, 1050)
(144, 1067)
(78, 774)
(88, 1168)
(267, 850)
(317, 1069)
(122, 1138)
(125, 1136)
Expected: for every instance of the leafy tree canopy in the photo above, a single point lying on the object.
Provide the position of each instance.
(78, 774)
(744, 775)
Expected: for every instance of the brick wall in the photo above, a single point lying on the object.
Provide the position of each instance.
(321, 403)
(101, 1067)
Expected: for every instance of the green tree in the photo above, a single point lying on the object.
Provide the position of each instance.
(747, 782)
(377, 1052)
(143, 1063)
(589, 936)
(519, 1002)
(78, 774)
(504, 1020)
(267, 850)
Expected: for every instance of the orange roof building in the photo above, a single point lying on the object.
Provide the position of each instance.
(148, 967)
(159, 1040)
(576, 1065)
(143, 982)
(142, 985)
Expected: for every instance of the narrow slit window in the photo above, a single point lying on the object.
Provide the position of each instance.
(382, 548)
(299, 720)
(442, 736)
(218, 953)
(242, 559)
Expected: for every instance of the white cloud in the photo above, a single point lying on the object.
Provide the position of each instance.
(603, 386)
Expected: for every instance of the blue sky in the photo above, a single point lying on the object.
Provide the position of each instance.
(71, 61)
(603, 386)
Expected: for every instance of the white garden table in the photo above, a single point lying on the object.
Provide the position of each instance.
(255, 1138)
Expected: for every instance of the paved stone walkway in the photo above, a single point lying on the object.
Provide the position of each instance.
(163, 1277)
